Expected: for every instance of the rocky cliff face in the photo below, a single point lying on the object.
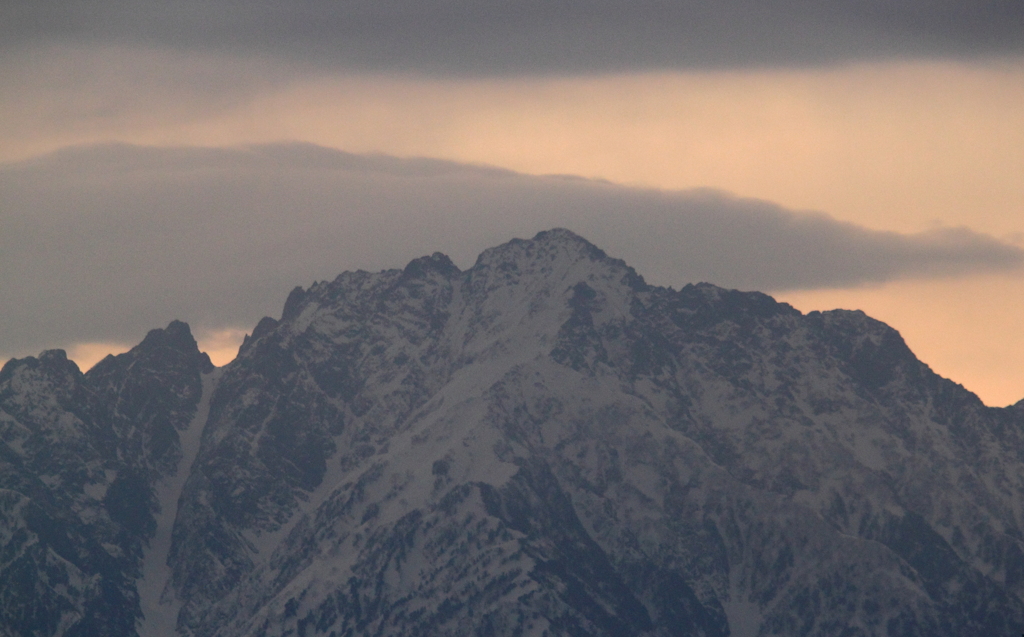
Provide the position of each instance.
(542, 444)
(79, 458)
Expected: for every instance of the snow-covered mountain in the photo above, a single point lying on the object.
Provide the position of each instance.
(541, 444)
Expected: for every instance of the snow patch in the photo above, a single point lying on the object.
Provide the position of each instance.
(159, 604)
(744, 618)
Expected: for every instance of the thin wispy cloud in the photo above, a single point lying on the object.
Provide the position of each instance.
(103, 243)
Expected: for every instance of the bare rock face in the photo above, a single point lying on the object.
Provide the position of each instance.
(541, 444)
(79, 458)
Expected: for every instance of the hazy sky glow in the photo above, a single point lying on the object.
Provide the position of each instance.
(900, 129)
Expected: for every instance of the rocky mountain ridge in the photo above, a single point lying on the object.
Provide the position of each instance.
(541, 444)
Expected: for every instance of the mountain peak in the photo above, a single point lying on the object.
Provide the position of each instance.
(558, 242)
(54, 361)
(564, 235)
(175, 340)
(541, 443)
(423, 266)
(550, 251)
(177, 335)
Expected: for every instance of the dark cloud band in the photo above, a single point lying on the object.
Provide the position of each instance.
(103, 243)
(534, 36)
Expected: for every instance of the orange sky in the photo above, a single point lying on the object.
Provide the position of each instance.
(896, 146)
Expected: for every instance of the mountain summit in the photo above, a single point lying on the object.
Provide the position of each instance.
(542, 444)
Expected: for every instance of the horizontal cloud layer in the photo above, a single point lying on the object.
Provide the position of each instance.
(503, 37)
(102, 243)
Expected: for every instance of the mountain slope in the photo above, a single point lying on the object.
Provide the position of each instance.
(79, 458)
(544, 444)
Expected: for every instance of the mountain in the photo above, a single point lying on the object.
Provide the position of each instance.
(542, 444)
(79, 458)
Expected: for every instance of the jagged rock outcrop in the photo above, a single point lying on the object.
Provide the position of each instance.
(79, 456)
(541, 444)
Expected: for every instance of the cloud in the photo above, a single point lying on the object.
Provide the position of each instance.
(500, 37)
(102, 243)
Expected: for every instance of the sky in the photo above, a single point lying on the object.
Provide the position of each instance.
(197, 160)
